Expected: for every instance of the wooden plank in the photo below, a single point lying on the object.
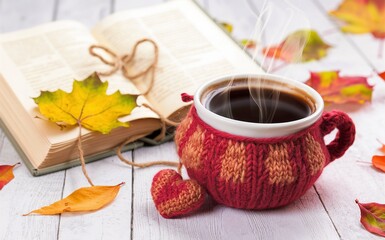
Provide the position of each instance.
(305, 218)
(371, 48)
(347, 179)
(237, 13)
(88, 12)
(339, 185)
(280, 23)
(16, 15)
(111, 222)
(114, 221)
(24, 194)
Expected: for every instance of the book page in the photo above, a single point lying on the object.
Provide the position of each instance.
(50, 57)
(193, 49)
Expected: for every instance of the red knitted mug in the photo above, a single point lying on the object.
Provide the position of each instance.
(258, 165)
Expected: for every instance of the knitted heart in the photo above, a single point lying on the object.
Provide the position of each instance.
(174, 196)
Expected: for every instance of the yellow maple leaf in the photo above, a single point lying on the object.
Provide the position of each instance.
(362, 16)
(87, 105)
(82, 200)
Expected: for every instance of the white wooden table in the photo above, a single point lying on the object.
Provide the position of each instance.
(326, 211)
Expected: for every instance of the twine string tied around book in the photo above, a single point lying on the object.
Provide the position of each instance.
(178, 165)
(121, 62)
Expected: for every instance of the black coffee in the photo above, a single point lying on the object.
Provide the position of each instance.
(263, 106)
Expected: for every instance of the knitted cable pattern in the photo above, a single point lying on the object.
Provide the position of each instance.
(251, 173)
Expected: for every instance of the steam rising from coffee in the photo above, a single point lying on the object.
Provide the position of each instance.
(275, 20)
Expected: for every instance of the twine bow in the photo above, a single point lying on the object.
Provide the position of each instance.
(122, 62)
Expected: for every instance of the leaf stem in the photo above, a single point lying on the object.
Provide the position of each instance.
(120, 184)
(81, 154)
(363, 162)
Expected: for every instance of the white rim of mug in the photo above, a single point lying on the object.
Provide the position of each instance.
(312, 118)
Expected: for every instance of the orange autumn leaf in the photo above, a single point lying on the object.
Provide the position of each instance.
(373, 217)
(302, 45)
(362, 16)
(382, 75)
(338, 89)
(6, 174)
(379, 162)
(82, 200)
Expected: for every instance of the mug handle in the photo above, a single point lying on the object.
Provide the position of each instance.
(345, 135)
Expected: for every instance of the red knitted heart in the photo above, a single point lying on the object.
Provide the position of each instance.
(174, 196)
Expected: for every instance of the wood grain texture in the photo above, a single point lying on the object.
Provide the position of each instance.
(237, 13)
(352, 176)
(340, 184)
(371, 48)
(341, 56)
(24, 194)
(347, 179)
(301, 220)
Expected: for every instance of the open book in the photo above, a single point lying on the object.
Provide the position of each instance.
(192, 50)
